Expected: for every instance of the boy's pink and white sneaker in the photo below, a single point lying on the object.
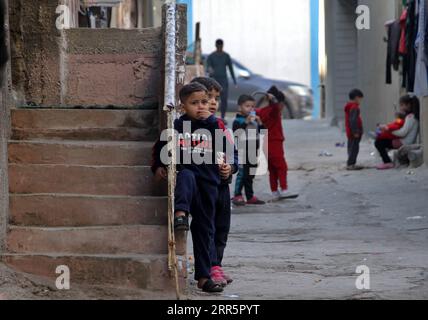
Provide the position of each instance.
(255, 201)
(226, 276)
(217, 276)
(385, 166)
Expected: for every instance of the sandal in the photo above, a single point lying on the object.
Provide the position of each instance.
(211, 287)
(181, 223)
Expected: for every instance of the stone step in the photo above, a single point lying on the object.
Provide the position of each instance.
(44, 210)
(85, 124)
(89, 180)
(149, 272)
(88, 240)
(90, 153)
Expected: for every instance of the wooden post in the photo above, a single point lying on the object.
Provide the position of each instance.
(140, 14)
(198, 49)
(175, 44)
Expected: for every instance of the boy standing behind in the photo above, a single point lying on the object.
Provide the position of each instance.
(354, 127)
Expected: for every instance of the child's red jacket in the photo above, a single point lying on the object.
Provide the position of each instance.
(353, 120)
(393, 126)
(271, 117)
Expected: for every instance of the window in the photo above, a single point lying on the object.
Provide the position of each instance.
(122, 14)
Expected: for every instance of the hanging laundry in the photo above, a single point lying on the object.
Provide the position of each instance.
(392, 59)
(421, 73)
(409, 59)
(402, 48)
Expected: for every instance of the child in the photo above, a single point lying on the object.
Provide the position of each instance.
(197, 185)
(384, 132)
(271, 117)
(354, 127)
(223, 212)
(246, 120)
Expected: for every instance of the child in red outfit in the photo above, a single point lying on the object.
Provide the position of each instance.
(271, 116)
(354, 127)
(385, 132)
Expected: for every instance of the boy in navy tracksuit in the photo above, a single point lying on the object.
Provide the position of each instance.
(223, 206)
(197, 183)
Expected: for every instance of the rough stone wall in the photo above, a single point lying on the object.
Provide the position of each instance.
(4, 188)
(35, 45)
(4, 129)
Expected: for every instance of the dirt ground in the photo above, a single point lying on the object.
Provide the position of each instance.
(309, 248)
(19, 286)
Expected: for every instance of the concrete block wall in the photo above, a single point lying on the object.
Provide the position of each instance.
(112, 67)
(81, 67)
(342, 64)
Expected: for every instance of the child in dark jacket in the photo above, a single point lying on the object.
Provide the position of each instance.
(197, 184)
(223, 206)
(249, 123)
(354, 127)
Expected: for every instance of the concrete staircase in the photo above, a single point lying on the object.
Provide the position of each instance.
(82, 195)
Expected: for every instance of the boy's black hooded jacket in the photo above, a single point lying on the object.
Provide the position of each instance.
(189, 144)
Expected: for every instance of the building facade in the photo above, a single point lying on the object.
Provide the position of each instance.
(357, 59)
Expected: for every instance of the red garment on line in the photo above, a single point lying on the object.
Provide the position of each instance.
(403, 48)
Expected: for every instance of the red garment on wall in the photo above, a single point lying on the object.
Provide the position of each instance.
(403, 48)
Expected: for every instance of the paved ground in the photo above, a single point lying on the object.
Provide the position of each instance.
(310, 248)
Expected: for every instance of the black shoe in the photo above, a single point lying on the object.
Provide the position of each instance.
(211, 287)
(181, 223)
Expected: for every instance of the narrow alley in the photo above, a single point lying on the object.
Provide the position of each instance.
(96, 196)
(310, 248)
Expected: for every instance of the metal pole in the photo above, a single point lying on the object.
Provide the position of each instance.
(169, 107)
